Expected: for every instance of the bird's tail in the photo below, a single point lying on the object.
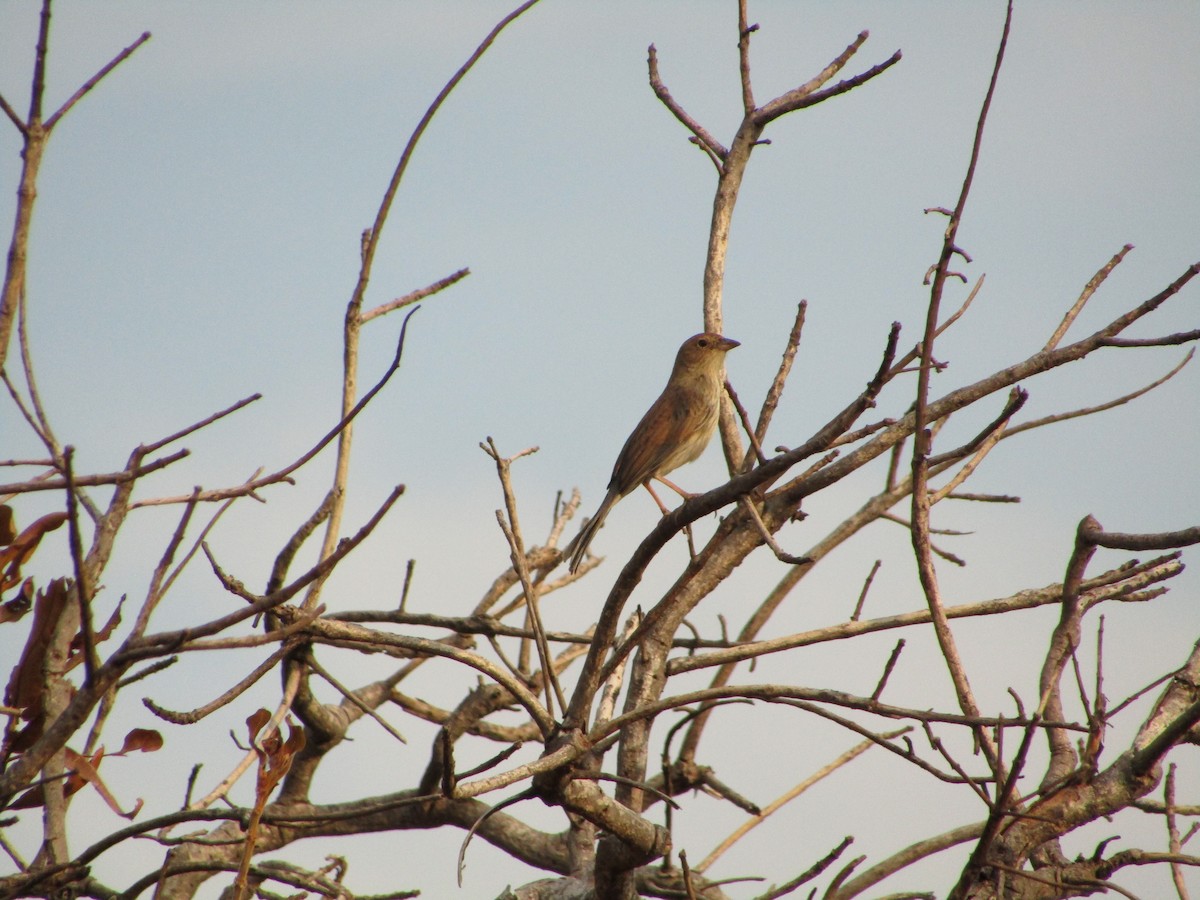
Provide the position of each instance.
(579, 546)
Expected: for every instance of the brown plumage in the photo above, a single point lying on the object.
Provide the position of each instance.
(675, 430)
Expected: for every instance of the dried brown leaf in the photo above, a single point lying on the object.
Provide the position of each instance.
(87, 771)
(18, 551)
(75, 780)
(147, 740)
(255, 722)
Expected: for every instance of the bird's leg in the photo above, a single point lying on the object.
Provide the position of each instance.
(686, 495)
(661, 505)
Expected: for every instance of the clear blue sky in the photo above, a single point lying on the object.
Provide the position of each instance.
(196, 240)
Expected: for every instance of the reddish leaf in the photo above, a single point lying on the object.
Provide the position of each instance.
(255, 721)
(16, 553)
(86, 770)
(293, 745)
(28, 800)
(82, 769)
(144, 739)
(275, 758)
(74, 781)
(113, 621)
(8, 525)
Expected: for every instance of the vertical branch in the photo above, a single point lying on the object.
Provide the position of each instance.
(520, 561)
(295, 678)
(18, 248)
(83, 593)
(34, 134)
(775, 391)
(1174, 844)
(1063, 643)
(57, 695)
(922, 437)
(39, 66)
(354, 321)
(744, 32)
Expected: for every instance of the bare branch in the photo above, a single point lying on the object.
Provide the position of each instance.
(788, 796)
(1111, 404)
(154, 446)
(1168, 540)
(285, 473)
(189, 718)
(744, 418)
(808, 875)
(95, 79)
(1088, 290)
(706, 140)
(82, 588)
(862, 596)
(1106, 587)
(808, 94)
(311, 662)
(413, 296)
(13, 117)
(771, 400)
(921, 460)
(111, 478)
(745, 29)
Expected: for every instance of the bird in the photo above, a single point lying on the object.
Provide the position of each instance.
(674, 431)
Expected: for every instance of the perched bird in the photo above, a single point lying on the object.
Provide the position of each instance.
(675, 430)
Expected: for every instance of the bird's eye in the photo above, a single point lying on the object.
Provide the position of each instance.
(703, 342)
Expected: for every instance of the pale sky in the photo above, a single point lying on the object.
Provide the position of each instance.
(196, 239)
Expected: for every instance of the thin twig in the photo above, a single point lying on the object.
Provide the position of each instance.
(788, 796)
(311, 662)
(1089, 289)
(806, 95)
(1175, 845)
(862, 595)
(808, 875)
(887, 669)
(512, 533)
(227, 697)
(155, 591)
(13, 117)
(413, 296)
(745, 29)
(154, 446)
(1089, 410)
(285, 473)
(82, 591)
(775, 391)
(747, 504)
(706, 140)
(95, 79)
(744, 417)
(921, 499)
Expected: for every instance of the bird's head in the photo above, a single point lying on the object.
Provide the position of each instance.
(703, 354)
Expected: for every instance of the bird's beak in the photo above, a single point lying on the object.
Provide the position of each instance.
(729, 343)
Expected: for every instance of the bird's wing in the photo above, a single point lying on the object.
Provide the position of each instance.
(654, 440)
